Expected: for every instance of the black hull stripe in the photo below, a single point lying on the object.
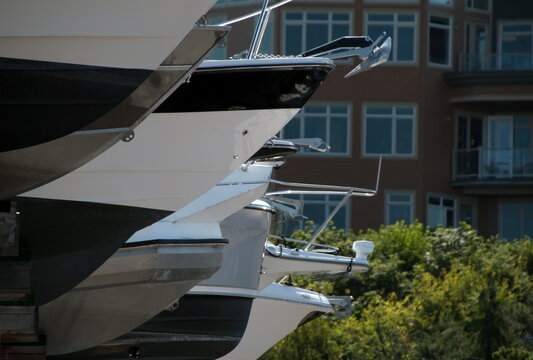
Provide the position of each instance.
(202, 327)
(246, 89)
(68, 240)
(176, 241)
(41, 101)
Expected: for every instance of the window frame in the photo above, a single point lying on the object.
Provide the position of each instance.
(500, 216)
(450, 40)
(349, 119)
(448, 6)
(501, 24)
(283, 42)
(458, 201)
(414, 153)
(416, 26)
(442, 197)
(471, 8)
(412, 204)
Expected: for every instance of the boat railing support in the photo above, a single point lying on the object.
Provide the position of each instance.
(317, 189)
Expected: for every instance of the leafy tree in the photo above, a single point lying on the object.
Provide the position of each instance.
(442, 294)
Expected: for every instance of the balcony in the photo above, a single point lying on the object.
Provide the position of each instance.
(491, 166)
(496, 62)
(492, 82)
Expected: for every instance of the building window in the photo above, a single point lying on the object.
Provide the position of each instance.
(516, 46)
(401, 27)
(389, 130)
(393, 1)
(441, 211)
(516, 220)
(305, 30)
(399, 207)
(316, 208)
(483, 5)
(330, 123)
(440, 40)
(442, 2)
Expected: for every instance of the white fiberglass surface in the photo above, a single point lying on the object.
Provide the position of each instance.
(114, 33)
(173, 159)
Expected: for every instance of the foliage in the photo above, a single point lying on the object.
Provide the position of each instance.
(442, 294)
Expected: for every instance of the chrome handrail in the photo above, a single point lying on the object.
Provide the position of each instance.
(347, 191)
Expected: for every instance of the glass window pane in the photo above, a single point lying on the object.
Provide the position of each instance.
(441, 2)
(292, 129)
(522, 121)
(434, 200)
(317, 34)
(293, 40)
(293, 16)
(335, 198)
(337, 136)
(311, 198)
(406, 18)
(400, 197)
(317, 16)
(314, 212)
(466, 213)
(450, 217)
(511, 227)
(440, 20)
(378, 110)
(315, 109)
(378, 136)
(339, 109)
(516, 28)
(315, 126)
(481, 4)
(339, 30)
(511, 209)
(341, 16)
(381, 17)
(528, 209)
(528, 226)
(404, 136)
(405, 110)
(448, 202)
(406, 44)
(435, 215)
(438, 46)
(399, 212)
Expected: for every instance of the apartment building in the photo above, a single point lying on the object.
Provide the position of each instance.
(451, 113)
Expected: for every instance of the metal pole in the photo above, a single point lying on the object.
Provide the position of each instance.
(257, 32)
(328, 219)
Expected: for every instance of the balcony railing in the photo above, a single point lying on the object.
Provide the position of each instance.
(496, 62)
(492, 164)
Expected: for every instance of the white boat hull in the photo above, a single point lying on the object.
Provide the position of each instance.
(112, 33)
(174, 158)
(276, 311)
(277, 264)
